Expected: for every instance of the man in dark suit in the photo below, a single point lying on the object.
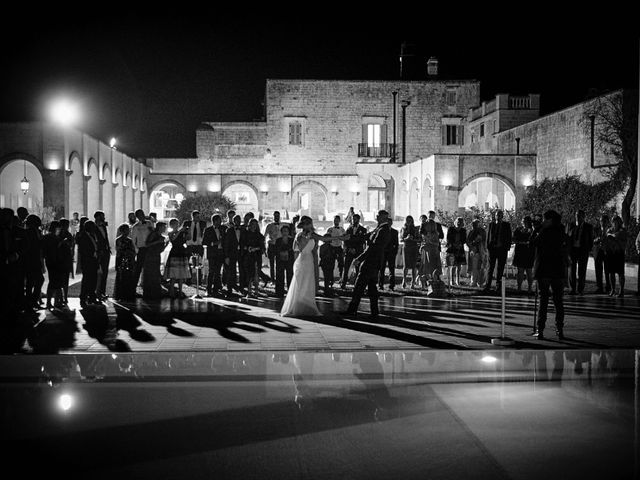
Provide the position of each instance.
(550, 270)
(389, 259)
(498, 243)
(194, 240)
(104, 254)
(213, 243)
(368, 265)
(232, 250)
(580, 236)
(354, 246)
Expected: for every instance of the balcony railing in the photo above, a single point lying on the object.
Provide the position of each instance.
(383, 150)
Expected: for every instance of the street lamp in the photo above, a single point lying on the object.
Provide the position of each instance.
(112, 143)
(64, 112)
(24, 184)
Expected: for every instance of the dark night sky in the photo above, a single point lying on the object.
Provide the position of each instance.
(150, 80)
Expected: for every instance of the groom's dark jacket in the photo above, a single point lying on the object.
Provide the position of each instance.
(377, 241)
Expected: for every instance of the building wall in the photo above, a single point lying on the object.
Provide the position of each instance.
(72, 165)
(562, 143)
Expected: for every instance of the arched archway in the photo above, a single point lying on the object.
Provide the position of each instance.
(244, 195)
(118, 204)
(128, 193)
(136, 192)
(11, 195)
(310, 198)
(107, 199)
(427, 195)
(76, 187)
(414, 198)
(487, 191)
(144, 195)
(93, 189)
(165, 199)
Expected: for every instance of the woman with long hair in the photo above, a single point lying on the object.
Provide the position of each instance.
(252, 247)
(125, 284)
(177, 269)
(410, 237)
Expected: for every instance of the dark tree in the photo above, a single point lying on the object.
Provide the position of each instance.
(616, 135)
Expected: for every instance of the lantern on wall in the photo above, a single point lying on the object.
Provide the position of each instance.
(24, 184)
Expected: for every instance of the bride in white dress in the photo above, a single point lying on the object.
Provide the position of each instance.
(301, 296)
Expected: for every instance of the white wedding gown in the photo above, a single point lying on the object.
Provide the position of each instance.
(301, 297)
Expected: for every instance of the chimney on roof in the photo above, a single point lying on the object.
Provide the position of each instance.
(432, 67)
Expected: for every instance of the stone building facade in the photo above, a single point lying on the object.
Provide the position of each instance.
(327, 145)
(68, 171)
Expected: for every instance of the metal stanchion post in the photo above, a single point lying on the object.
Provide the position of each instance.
(195, 259)
(535, 312)
(502, 339)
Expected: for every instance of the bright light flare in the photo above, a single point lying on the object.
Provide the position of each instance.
(489, 359)
(65, 402)
(64, 112)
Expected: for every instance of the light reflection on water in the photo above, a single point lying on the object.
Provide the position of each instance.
(338, 413)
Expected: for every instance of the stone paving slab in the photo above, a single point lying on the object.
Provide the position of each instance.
(465, 320)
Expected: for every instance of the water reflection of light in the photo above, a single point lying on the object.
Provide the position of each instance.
(489, 359)
(65, 401)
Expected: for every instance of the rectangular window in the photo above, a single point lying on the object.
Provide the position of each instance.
(452, 134)
(373, 135)
(451, 97)
(295, 133)
(482, 129)
(495, 126)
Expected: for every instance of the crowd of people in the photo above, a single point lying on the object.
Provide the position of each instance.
(162, 256)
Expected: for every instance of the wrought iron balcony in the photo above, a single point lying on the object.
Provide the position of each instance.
(383, 150)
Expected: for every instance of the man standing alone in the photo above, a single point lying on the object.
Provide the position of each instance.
(498, 243)
(580, 236)
(104, 254)
(550, 269)
(272, 233)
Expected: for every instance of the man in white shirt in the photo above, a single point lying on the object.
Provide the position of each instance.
(272, 233)
(139, 233)
(336, 245)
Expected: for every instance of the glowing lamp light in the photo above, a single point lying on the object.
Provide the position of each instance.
(355, 188)
(264, 188)
(284, 187)
(112, 142)
(24, 184)
(64, 112)
(527, 181)
(489, 359)
(65, 402)
(179, 197)
(447, 181)
(192, 188)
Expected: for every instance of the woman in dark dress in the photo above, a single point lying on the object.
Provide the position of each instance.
(252, 246)
(125, 285)
(456, 255)
(410, 237)
(614, 255)
(177, 269)
(51, 251)
(524, 253)
(67, 251)
(151, 279)
(33, 262)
